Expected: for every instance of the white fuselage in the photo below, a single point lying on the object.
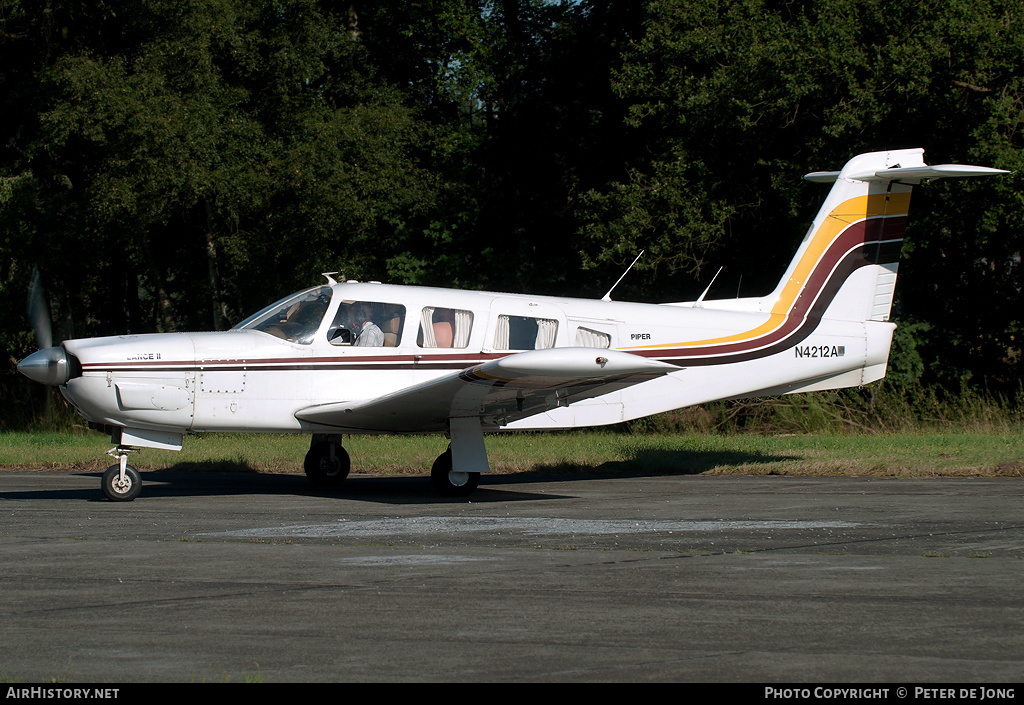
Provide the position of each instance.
(251, 380)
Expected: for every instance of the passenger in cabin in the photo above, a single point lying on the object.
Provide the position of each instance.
(444, 326)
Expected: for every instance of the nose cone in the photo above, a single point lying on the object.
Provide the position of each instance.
(49, 366)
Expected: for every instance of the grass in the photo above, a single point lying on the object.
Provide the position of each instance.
(911, 454)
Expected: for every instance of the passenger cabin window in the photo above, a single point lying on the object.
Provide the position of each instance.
(372, 324)
(587, 338)
(524, 333)
(295, 318)
(444, 328)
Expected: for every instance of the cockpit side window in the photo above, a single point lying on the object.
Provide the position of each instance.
(444, 328)
(367, 324)
(295, 318)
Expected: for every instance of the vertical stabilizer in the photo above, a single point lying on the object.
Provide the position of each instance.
(846, 266)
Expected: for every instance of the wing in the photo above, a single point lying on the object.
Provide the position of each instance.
(497, 392)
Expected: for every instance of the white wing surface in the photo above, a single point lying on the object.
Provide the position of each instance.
(497, 392)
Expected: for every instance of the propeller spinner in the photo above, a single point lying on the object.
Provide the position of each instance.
(49, 366)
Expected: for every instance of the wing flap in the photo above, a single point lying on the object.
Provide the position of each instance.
(498, 391)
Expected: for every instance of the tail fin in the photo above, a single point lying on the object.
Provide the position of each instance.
(845, 268)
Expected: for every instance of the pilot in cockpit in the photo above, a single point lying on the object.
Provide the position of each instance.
(370, 334)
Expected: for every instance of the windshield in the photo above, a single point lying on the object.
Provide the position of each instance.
(295, 318)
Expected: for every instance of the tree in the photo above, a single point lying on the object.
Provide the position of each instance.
(729, 103)
(227, 147)
(177, 164)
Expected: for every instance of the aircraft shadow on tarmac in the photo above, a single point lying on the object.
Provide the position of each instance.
(662, 462)
(232, 478)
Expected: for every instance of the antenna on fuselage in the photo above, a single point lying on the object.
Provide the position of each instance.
(700, 299)
(608, 296)
(330, 278)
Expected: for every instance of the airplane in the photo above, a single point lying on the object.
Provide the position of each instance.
(367, 357)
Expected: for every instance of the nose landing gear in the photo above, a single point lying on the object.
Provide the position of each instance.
(121, 482)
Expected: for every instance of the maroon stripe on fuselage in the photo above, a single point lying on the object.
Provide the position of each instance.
(857, 246)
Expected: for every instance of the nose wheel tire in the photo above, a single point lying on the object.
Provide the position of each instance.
(450, 483)
(118, 489)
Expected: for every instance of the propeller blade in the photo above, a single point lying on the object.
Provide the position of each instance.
(39, 312)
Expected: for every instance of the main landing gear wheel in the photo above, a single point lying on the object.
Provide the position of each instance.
(121, 489)
(449, 482)
(324, 468)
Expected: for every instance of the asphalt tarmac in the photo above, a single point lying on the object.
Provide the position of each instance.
(769, 579)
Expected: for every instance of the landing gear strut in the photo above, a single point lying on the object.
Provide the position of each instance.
(327, 464)
(456, 472)
(121, 482)
(449, 482)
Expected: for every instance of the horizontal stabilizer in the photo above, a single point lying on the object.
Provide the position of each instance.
(907, 174)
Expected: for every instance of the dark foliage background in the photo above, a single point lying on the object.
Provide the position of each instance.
(177, 164)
